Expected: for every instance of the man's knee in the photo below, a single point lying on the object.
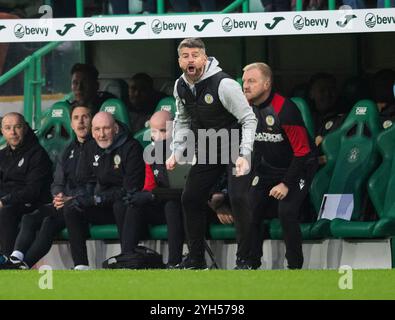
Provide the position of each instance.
(7, 213)
(288, 212)
(28, 220)
(191, 198)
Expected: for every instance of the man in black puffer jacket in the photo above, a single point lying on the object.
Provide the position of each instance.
(25, 177)
(114, 166)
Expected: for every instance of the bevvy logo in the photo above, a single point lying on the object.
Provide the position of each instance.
(91, 28)
(299, 22)
(158, 26)
(229, 24)
(371, 20)
(20, 31)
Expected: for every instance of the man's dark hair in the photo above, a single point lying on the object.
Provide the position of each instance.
(191, 43)
(87, 69)
(382, 85)
(144, 78)
(74, 106)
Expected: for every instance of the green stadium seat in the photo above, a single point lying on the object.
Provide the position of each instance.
(306, 115)
(168, 104)
(55, 132)
(352, 156)
(381, 188)
(104, 232)
(118, 109)
(158, 232)
(222, 232)
(143, 136)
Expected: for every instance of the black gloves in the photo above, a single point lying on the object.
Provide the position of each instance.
(138, 199)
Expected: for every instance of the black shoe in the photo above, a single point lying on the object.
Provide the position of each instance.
(246, 265)
(192, 264)
(171, 266)
(13, 263)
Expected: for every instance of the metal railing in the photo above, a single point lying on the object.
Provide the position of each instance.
(33, 81)
(31, 66)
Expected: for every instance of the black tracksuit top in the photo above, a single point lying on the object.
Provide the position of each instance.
(68, 173)
(113, 171)
(25, 173)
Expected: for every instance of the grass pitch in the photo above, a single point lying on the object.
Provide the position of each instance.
(197, 285)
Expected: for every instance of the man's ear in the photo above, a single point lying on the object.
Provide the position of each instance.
(116, 128)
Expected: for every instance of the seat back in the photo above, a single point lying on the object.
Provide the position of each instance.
(381, 186)
(118, 109)
(306, 115)
(168, 104)
(55, 132)
(143, 136)
(352, 156)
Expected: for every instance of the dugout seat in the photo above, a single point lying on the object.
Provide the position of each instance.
(381, 188)
(168, 104)
(55, 132)
(306, 115)
(352, 156)
(118, 109)
(143, 136)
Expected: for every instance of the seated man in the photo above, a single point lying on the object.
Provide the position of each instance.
(85, 86)
(143, 99)
(153, 209)
(25, 177)
(322, 98)
(219, 202)
(113, 165)
(39, 228)
(383, 85)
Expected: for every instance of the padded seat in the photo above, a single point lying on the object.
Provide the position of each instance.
(352, 156)
(118, 109)
(381, 189)
(55, 132)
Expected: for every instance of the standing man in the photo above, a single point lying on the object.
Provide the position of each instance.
(25, 177)
(208, 98)
(285, 161)
(113, 166)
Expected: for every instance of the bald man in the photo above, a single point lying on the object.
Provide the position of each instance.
(158, 210)
(25, 177)
(113, 166)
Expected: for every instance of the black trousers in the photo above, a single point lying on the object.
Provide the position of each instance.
(10, 217)
(287, 210)
(38, 230)
(78, 222)
(200, 181)
(155, 213)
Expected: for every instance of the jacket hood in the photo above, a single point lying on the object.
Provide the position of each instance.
(210, 69)
(121, 137)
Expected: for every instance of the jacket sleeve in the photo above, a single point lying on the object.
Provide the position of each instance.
(134, 168)
(149, 182)
(59, 182)
(293, 125)
(36, 178)
(233, 99)
(181, 125)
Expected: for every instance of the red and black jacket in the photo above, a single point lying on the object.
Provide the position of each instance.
(282, 145)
